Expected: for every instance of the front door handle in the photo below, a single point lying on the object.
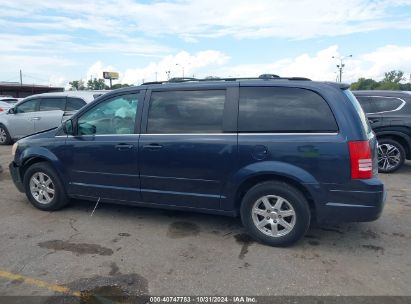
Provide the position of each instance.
(35, 118)
(122, 147)
(153, 147)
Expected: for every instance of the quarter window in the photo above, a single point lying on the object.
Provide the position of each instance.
(113, 116)
(74, 104)
(268, 109)
(28, 106)
(51, 104)
(366, 104)
(186, 112)
(383, 104)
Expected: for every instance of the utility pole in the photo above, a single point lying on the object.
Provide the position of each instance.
(341, 66)
(21, 78)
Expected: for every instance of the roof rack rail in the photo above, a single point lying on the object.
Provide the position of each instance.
(261, 77)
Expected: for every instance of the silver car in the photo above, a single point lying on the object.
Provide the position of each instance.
(41, 112)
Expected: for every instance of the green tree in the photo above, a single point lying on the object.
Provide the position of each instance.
(364, 84)
(77, 85)
(119, 85)
(96, 84)
(394, 76)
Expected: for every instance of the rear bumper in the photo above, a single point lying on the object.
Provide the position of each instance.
(15, 175)
(358, 201)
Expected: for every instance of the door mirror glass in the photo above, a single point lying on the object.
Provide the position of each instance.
(68, 127)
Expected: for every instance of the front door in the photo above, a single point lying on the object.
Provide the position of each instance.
(102, 159)
(188, 150)
(21, 123)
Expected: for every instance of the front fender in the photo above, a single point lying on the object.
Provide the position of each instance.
(33, 153)
(271, 169)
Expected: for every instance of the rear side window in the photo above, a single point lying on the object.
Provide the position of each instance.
(366, 104)
(51, 104)
(74, 104)
(384, 104)
(186, 112)
(272, 109)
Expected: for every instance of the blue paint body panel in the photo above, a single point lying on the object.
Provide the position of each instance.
(206, 172)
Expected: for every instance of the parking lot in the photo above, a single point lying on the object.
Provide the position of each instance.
(129, 250)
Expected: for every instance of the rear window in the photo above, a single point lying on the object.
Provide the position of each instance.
(74, 104)
(276, 109)
(359, 110)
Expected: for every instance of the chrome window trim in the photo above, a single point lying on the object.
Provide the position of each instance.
(208, 134)
(389, 97)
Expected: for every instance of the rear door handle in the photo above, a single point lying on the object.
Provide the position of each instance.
(124, 147)
(153, 147)
(35, 118)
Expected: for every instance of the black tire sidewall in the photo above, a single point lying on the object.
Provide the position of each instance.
(59, 200)
(293, 196)
(402, 154)
(8, 138)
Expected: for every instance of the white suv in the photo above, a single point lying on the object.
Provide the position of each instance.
(41, 112)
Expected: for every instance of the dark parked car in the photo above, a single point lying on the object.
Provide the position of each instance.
(389, 113)
(277, 152)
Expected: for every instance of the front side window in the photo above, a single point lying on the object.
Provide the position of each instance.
(384, 104)
(52, 104)
(28, 106)
(280, 109)
(186, 112)
(113, 116)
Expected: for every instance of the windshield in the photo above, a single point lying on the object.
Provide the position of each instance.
(360, 111)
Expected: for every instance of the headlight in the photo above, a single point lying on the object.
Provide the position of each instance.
(13, 150)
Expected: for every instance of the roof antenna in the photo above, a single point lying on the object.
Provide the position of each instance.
(95, 207)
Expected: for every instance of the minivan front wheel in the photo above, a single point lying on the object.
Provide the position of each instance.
(43, 187)
(275, 213)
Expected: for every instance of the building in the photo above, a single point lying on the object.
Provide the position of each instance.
(15, 89)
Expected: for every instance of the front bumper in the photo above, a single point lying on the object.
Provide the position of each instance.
(358, 201)
(15, 175)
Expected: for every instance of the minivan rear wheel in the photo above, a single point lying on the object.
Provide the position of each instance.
(275, 213)
(43, 187)
(391, 155)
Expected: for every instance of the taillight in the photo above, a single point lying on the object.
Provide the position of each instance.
(1, 110)
(361, 159)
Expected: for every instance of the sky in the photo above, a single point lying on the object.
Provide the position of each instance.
(56, 41)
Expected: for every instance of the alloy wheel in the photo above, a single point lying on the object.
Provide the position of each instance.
(273, 215)
(42, 188)
(389, 156)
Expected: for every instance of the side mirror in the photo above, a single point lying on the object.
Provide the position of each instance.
(68, 127)
(11, 111)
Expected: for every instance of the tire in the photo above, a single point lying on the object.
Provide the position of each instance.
(292, 201)
(5, 138)
(42, 197)
(391, 155)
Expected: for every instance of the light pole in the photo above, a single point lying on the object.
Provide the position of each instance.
(182, 67)
(341, 66)
(168, 74)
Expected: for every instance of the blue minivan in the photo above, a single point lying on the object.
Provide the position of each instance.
(276, 151)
